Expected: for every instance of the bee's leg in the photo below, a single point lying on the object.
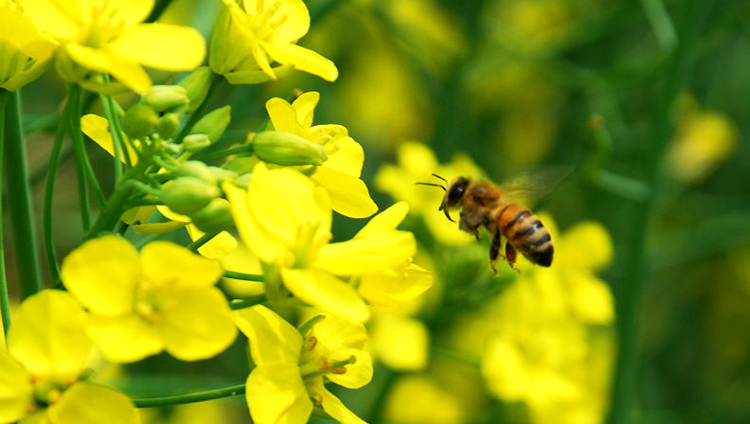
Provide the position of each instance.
(510, 255)
(495, 250)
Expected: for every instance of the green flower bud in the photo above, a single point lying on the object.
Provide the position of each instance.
(195, 142)
(166, 98)
(139, 120)
(198, 169)
(213, 124)
(214, 217)
(167, 125)
(189, 194)
(196, 84)
(287, 149)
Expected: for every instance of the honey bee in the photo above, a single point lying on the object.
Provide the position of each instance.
(483, 203)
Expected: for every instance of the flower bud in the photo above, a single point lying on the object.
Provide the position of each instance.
(195, 142)
(198, 169)
(167, 125)
(287, 149)
(139, 120)
(214, 217)
(166, 98)
(213, 124)
(189, 194)
(196, 84)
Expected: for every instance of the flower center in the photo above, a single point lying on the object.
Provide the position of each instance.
(265, 21)
(104, 26)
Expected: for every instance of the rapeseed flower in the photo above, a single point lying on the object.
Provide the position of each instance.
(162, 299)
(291, 368)
(25, 53)
(107, 37)
(340, 173)
(252, 34)
(285, 220)
(416, 163)
(41, 374)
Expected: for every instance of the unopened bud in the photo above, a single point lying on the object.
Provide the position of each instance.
(196, 84)
(214, 123)
(166, 98)
(167, 125)
(287, 149)
(198, 169)
(214, 217)
(189, 194)
(139, 121)
(195, 142)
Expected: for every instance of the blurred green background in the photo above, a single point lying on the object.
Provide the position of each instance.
(648, 101)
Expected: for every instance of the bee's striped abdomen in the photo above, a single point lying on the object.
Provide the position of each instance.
(526, 233)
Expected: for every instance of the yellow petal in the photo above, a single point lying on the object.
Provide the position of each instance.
(587, 244)
(387, 220)
(400, 342)
(130, 11)
(215, 248)
(124, 339)
(196, 324)
(318, 288)
(340, 339)
(349, 195)
(86, 403)
(347, 157)
(161, 46)
(272, 339)
(157, 227)
(336, 409)
(16, 391)
(21, 33)
(505, 370)
(103, 274)
(259, 239)
(301, 58)
(48, 336)
(296, 19)
(171, 265)
(365, 255)
(284, 117)
(60, 19)
(388, 291)
(130, 74)
(305, 106)
(275, 394)
(590, 298)
(97, 128)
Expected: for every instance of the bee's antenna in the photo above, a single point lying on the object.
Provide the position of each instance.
(438, 176)
(434, 185)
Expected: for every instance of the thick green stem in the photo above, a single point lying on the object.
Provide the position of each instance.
(190, 398)
(18, 195)
(243, 276)
(631, 285)
(4, 298)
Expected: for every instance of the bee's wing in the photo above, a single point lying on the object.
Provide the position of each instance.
(528, 187)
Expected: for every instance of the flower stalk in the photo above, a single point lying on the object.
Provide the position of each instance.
(190, 398)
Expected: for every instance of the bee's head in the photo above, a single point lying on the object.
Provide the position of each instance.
(453, 195)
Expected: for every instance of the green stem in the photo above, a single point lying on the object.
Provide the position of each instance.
(74, 96)
(108, 217)
(19, 196)
(216, 82)
(190, 398)
(243, 276)
(246, 148)
(631, 285)
(117, 145)
(247, 302)
(4, 299)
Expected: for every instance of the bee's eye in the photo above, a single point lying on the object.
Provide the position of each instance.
(457, 191)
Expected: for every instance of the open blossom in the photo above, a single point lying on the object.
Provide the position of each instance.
(285, 220)
(107, 36)
(251, 35)
(290, 367)
(162, 299)
(25, 53)
(340, 173)
(40, 374)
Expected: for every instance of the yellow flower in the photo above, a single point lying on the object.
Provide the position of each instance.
(416, 163)
(289, 372)
(40, 374)
(419, 399)
(554, 349)
(400, 342)
(106, 36)
(249, 37)
(285, 220)
(340, 173)
(162, 299)
(25, 52)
